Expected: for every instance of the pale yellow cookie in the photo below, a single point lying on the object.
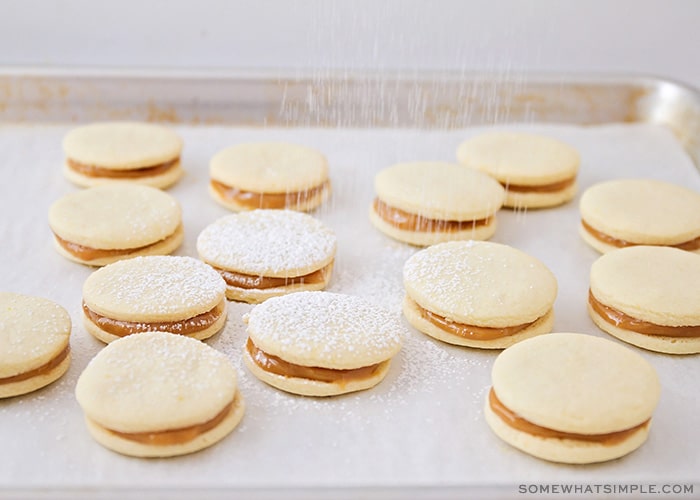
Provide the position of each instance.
(537, 171)
(269, 175)
(572, 398)
(478, 294)
(108, 152)
(159, 395)
(266, 253)
(34, 348)
(180, 295)
(100, 225)
(321, 343)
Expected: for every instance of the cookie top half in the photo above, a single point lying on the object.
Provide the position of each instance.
(576, 383)
(480, 283)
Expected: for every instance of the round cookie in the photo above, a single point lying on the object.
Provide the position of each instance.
(266, 253)
(34, 343)
(108, 152)
(321, 343)
(159, 395)
(648, 296)
(572, 398)
(269, 175)
(478, 294)
(537, 171)
(180, 295)
(103, 224)
(626, 212)
(424, 203)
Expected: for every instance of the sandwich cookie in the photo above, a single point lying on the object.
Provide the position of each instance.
(269, 175)
(572, 398)
(536, 171)
(478, 294)
(265, 253)
(321, 343)
(180, 295)
(626, 212)
(424, 203)
(103, 224)
(159, 395)
(102, 153)
(34, 348)
(649, 297)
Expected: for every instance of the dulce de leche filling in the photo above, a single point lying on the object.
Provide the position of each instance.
(251, 282)
(278, 366)
(40, 370)
(626, 322)
(177, 436)
(407, 221)
(251, 199)
(133, 173)
(690, 245)
(472, 332)
(515, 421)
(542, 188)
(188, 326)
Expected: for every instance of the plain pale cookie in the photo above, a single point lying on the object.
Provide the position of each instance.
(159, 395)
(266, 253)
(34, 348)
(572, 398)
(478, 294)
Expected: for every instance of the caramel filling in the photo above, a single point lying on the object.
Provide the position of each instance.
(543, 188)
(472, 332)
(407, 221)
(622, 320)
(88, 254)
(250, 282)
(251, 200)
(691, 245)
(133, 173)
(41, 370)
(188, 326)
(516, 422)
(177, 436)
(278, 366)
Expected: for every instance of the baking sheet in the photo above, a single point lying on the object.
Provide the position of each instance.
(422, 426)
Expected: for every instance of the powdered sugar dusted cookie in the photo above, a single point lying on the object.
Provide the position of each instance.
(478, 294)
(180, 295)
(101, 225)
(321, 343)
(269, 175)
(34, 348)
(537, 171)
(103, 153)
(572, 398)
(424, 203)
(159, 395)
(265, 253)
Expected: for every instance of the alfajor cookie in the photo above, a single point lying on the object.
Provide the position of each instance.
(537, 171)
(424, 203)
(103, 224)
(649, 297)
(103, 153)
(572, 398)
(265, 253)
(34, 348)
(180, 295)
(626, 212)
(478, 294)
(159, 395)
(269, 175)
(321, 343)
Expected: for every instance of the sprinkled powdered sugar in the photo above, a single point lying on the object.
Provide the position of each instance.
(268, 243)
